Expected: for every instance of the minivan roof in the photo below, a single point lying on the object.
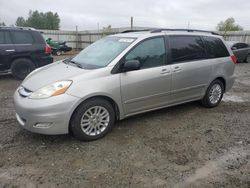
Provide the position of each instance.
(160, 32)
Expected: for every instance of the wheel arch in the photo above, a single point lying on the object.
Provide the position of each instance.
(21, 57)
(107, 98)
(223, 80)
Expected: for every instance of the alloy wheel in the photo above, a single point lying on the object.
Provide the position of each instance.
(95, 120)
(215, 93)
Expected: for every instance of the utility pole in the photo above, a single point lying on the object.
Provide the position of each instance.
(131, 23)
(188, 24)
(98, 30)
(77, 38)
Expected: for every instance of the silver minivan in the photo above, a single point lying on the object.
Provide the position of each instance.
(123, 75)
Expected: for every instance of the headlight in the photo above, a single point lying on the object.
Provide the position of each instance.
(54, 89)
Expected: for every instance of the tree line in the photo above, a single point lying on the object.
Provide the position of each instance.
(39, 20)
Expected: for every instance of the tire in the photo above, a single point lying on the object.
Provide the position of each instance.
(218, 88)
(248, 59)
(58, 52)
(20, 68)
(54, 51)
(85, 123)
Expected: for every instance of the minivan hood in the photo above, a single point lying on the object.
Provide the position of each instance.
(52, 73)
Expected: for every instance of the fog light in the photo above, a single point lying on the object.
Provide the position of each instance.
(20, 120)
(42, 125)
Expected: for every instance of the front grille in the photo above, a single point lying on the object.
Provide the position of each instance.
(24, 92)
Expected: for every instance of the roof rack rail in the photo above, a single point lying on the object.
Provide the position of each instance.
(14, 27)
(188, 30)
(139, 30)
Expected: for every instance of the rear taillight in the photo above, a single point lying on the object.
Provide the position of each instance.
(48, 50)
(234, 59)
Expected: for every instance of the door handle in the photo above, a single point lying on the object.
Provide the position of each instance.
(10, 50)
(165, 71)
(177, 69)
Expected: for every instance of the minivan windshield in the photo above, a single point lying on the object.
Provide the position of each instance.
(102, 52)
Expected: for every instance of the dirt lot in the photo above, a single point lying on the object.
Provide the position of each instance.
(183, 146)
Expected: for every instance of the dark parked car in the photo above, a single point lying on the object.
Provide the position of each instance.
(241, 51)
(22, 50)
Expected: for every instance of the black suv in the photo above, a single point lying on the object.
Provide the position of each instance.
(22, 50)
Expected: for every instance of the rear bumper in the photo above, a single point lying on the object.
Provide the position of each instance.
(45, 61)
(229, 83)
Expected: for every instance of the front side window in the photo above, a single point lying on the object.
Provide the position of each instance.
(150, 53)
(2, 40)
(21, 37)
(186, 48)
(102, 52)
(215, 47)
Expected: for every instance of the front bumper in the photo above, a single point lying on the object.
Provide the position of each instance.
(45, 116)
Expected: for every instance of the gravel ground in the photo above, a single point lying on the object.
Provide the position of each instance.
(182, 146)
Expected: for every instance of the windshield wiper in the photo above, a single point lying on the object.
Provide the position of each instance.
(66, 61)
(74, 63)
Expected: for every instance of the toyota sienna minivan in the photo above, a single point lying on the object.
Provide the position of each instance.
(123, 75)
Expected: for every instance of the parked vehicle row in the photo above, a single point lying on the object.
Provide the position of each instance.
(22, 50)
(123, 75)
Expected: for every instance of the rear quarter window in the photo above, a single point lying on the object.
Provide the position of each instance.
(38, 37)
(215, 47)
(22, 37)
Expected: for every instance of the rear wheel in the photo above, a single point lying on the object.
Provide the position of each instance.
(92, 120)
(213, 94)
(20, 68)
(58, 52)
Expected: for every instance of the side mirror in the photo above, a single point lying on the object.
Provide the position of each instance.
(234, 48)
(131, 65)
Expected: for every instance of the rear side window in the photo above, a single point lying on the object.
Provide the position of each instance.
(5, 37)
(38, 37)
(20, 37)
(215, 47)
(186, 48)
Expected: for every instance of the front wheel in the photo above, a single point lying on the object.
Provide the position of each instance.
(92, 120)
(213, 94)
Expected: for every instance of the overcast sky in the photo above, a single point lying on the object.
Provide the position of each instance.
(202, 14)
